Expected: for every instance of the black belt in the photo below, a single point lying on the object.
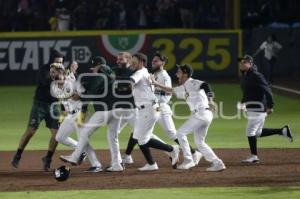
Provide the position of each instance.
(195, 111)
(143, 106)
(160, 93)
(73, 112)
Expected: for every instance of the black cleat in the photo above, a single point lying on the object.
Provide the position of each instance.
(288, 133)
(46, 163)
(15, 161)
(82, 158)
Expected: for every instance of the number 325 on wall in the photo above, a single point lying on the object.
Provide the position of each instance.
(217, 56)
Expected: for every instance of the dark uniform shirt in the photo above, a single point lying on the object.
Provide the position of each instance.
(124, 98)
(101, 87)
(257, 93)
(42, 91)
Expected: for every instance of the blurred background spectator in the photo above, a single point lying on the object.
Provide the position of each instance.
(63, 15)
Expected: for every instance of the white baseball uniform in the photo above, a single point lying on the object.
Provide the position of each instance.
(73, 108)
(198, 122)
(146, 102)
(165, 120)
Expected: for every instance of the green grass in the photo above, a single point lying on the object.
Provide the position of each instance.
(223, 133)
(174, 193)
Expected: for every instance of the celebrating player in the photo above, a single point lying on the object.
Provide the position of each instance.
(66, 90)
(199, 98)
(41, 111)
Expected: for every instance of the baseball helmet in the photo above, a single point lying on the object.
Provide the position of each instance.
(62, 173)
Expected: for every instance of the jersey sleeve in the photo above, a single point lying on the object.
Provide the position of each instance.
(137, 76)
(207, 89)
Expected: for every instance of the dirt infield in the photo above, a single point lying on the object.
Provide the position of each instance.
(278, 167)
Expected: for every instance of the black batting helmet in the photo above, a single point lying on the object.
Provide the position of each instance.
(62, 173)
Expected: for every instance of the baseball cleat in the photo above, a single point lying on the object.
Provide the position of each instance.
(82, 158)
(148, 167)
(217, 165)
(186, 165)
(197, 157)
(69, 159)
(175, 154)
(251, 160)
(127, 159)
(286, 131)
(15, 161)
(115, 168)
(46, 163)
(93, 170)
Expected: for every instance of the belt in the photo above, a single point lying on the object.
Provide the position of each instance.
(197, 110)
(73, 112)
(158, 92)
(144, 106)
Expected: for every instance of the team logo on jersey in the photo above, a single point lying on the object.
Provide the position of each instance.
(132, 43)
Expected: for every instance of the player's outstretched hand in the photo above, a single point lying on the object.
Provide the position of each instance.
(212, 106)
(152, 80)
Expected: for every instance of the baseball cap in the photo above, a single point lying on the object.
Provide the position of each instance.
(186, 68)
(62, 173)
(98, 61)
(57, 66)
(246, 58)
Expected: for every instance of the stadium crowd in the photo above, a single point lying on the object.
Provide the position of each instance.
(63, 15)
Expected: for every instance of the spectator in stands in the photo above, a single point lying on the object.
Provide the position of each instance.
(271, 48)
(63, 19)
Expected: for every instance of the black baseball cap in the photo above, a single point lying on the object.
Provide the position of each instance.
(186, 68)
(161, 56)
(98, 61)
(246, 58)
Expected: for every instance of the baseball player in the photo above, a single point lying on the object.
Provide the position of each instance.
(199, 98)
(66, 90)
(165, 119)
(147, 114)
(125, 108)
(99, 87)
(41, 111)
(257, 101)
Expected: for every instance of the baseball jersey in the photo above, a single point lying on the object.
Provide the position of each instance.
(42, 91)
(257, 93)
(122, 86)
(270, 49)
(195, 97)
(65, 93)
(143, 91)
(102, 87)
(162, 77)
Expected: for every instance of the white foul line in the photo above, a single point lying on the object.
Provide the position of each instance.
(286, 89)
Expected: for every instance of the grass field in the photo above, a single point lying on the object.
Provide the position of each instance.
(223, 133)
(178, 193)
